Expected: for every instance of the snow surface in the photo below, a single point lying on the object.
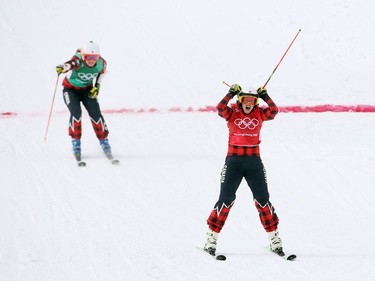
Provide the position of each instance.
(143, 220)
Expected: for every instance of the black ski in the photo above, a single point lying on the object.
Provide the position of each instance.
(79, 161)
(213, 254)
(288, 257)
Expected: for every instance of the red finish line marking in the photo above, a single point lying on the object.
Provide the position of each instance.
(210, 108)
(283, 109)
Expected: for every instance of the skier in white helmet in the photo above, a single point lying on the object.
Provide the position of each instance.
(85, 72)
(244, 120)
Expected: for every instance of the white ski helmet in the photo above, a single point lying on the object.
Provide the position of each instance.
(90, 48)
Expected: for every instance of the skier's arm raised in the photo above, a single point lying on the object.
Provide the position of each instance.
(272, 110)
(223, 109)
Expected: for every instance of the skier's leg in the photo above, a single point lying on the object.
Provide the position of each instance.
(97, 120)
(98, 123)
(268, 216)
(257, 180)
(72, 101)
(231, 177)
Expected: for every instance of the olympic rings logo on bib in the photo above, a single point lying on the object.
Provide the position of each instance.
(246, 123)
(87, 76)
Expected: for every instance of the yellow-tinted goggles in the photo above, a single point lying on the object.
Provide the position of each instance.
(248, 100)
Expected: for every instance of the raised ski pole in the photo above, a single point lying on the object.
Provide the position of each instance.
(269, 78)
(225, 83)
(50, 112)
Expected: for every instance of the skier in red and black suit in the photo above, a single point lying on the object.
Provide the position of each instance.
(245, 119)
(85, 72)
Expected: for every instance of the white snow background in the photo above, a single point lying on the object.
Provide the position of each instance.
(142, 220)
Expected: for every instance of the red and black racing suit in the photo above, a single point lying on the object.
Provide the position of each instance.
(243, 161)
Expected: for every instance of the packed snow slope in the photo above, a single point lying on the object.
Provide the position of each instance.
(144, 219)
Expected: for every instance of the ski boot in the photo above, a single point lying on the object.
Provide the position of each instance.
(107, 151)
(276, 244)
(105, 146)
(76, 146)
(210, 246)
(77, 152)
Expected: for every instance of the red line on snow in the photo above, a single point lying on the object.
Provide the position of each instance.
(284, 109)
(329, 108)
(210, 108)
(4, 114)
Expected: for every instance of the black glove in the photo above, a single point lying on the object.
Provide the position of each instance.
(262, 92)
(235, 89)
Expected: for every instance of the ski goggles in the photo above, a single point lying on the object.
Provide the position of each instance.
(248, 100)
(91, 57)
